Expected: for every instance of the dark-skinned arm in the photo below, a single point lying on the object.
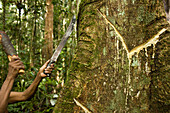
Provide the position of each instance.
(22, 96)
(13, 68)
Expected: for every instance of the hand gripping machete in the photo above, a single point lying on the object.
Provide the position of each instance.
(8, 47)
(62, 43)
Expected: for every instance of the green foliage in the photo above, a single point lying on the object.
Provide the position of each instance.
(135, 62)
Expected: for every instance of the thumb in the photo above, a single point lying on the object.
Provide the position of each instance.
(13, 58)
(43, 68)
(45, 65)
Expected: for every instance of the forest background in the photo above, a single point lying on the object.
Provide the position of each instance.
(116, 60)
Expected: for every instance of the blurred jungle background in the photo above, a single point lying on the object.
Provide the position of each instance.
(115, 61)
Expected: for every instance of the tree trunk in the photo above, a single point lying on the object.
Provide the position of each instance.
(121, 63)
(48, 46)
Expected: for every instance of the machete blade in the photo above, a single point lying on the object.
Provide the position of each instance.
(62, 43)
(8, 47)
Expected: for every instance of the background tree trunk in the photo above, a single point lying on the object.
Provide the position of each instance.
(48, 46)
(109, 73)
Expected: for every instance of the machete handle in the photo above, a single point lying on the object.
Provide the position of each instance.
(48, 65)
(21, 71)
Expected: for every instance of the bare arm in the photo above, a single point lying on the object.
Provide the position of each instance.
(22, 96)
(4, 93)
(14, 66)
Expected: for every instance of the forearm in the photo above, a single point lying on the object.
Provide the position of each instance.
(22, 96)
(4, 93)
(32, 88)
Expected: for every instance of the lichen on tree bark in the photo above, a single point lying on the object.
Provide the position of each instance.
(101, 68)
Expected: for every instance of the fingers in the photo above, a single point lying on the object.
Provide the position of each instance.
(14, 58)
(16, 62)
(46, 69)
(44, 66)
(47, 63)
(51, 66)
(49, 69)
(21, 67)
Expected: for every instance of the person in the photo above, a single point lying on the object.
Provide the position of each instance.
(7, 96)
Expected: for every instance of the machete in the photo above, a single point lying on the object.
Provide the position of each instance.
(8, 47)
(167, 9)
(62, 43)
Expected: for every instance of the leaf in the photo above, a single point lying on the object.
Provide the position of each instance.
(53, 101)
(135, 63)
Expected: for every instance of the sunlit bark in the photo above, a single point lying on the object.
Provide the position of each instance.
(117, 57)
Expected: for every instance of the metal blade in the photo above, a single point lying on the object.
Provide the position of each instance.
(64, 40)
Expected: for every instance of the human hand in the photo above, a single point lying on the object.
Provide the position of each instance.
(14, 66)
(49, 69)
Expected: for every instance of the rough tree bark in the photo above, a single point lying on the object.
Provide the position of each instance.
(121, 63)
